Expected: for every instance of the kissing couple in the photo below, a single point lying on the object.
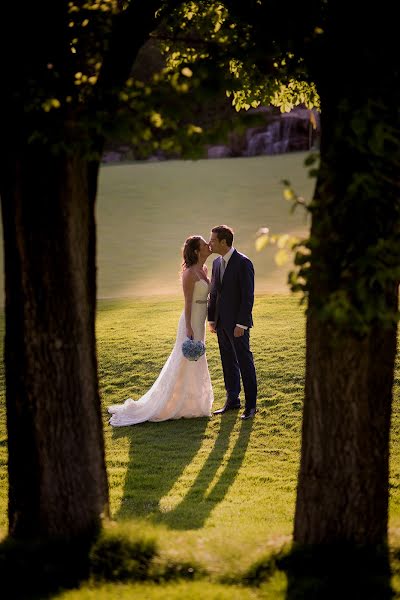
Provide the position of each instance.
(183, 387)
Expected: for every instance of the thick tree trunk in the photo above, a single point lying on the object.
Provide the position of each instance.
(343, 483)
(342, 492)
(57, 477)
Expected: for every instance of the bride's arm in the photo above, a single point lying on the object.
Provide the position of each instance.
(188, 281)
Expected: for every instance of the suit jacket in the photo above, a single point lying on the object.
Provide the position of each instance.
(231, 301)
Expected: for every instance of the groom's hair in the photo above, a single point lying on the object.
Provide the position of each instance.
(224, 233)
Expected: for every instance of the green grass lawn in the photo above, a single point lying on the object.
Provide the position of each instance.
(215, 492)
(203, 479)
(145, 211)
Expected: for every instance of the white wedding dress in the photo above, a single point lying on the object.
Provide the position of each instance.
(183, 388)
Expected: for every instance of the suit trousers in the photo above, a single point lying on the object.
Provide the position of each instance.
(237, 362)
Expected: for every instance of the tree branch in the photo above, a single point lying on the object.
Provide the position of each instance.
(131, 29)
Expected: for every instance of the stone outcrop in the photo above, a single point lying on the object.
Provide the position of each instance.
(296, 131)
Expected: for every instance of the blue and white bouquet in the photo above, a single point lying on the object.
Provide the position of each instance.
(193, 350)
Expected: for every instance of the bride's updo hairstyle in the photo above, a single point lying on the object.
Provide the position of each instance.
(191, 245)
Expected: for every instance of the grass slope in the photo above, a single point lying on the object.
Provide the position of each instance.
(144, 212)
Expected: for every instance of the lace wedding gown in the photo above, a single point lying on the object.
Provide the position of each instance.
(183, 388)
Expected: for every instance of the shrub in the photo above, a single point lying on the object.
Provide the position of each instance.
(117, 557)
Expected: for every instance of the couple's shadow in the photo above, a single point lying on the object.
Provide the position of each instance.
(162, 453)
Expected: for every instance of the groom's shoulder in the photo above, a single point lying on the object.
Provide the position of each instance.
(243, 257)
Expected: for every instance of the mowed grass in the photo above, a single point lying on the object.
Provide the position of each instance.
(217, 492)
(146, 210)
(221, 489)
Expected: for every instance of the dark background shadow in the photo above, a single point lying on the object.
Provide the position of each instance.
(338, 573)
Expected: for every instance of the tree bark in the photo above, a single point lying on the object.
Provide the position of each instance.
(343, 484)
(351, 334)
(57, 476)
(342, 494)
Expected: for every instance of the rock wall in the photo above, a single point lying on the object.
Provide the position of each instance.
(296, 131)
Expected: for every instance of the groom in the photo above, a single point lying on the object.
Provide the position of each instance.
(229, 315)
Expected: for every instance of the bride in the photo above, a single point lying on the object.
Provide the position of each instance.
(183, 388)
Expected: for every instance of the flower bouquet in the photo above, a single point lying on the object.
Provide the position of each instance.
(193, 350)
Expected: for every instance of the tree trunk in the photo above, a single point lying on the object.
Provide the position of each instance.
(343, 484)
(57, 477)
(342, 494)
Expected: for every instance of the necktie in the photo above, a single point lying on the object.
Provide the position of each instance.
(222, 268)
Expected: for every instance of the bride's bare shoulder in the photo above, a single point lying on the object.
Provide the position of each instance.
(188, 274)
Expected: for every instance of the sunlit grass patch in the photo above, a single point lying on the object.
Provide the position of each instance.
(215, 493)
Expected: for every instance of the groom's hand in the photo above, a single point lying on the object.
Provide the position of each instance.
(211, 327)
(238, 331)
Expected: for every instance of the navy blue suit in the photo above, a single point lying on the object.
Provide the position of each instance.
(231, 303)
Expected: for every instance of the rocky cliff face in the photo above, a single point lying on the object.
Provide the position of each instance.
(296, 131)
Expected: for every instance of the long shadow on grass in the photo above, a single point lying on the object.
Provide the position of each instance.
(158, 454)
(201, 499)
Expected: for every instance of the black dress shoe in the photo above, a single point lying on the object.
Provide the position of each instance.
(227, 407)
(248, 414)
